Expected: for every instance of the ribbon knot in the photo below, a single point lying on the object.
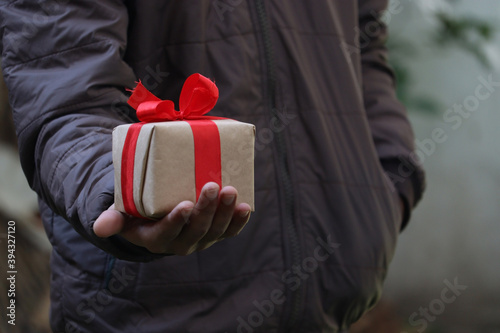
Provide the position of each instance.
(198, 96)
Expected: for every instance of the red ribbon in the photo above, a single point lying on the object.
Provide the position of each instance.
(198, 96)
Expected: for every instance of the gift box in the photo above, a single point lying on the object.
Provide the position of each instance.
(168, 157)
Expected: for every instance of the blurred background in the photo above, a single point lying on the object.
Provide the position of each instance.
(445, 276)
(443, 51)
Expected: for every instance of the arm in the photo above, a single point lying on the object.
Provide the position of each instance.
(391, 130)
(64, 69)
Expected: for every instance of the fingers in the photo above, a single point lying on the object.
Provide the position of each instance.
(221, 218)
(200, 221)
(214, 217)
(109, 223)
(240, 218)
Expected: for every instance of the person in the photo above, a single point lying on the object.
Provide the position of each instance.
(335, 177)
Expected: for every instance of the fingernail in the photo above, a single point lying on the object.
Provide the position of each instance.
(186, 213)
(245, 213)
(212, 193)
(228, 199)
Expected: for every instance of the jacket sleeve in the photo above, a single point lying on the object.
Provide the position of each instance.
(63, 65)
(391, 130)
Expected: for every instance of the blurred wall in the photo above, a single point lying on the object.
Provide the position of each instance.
(445, 275)
(18, 203)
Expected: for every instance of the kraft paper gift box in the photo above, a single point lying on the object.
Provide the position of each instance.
(170, 155)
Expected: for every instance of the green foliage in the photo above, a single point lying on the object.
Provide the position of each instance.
(465, 33)
(405, 52)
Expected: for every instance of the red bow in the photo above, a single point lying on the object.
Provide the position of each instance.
(198, 96)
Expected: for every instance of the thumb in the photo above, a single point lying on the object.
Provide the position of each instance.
(109, 223)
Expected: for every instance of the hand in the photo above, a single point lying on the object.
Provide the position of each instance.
(187, 228)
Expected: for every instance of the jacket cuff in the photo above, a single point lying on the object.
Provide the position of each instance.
(408, 180)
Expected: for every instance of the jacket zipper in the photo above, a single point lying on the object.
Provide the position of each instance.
(283, 166)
